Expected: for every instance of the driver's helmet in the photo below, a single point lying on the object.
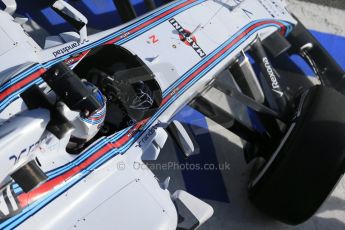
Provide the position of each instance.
(86, 128)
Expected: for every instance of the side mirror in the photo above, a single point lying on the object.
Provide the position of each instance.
(184, 138)
(72, 16)
(199, 210)
(11, 6)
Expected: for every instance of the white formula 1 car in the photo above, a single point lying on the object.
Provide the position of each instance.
(78, 112)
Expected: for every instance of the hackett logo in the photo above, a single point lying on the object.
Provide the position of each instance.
(187, 37)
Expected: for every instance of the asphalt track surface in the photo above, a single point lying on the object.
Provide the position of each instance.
(340, 4)
(224, 189)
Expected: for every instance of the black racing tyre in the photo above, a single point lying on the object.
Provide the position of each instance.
(308, 163)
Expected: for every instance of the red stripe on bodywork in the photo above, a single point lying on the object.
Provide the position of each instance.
(73, 60)
(27, 198)
(21, 84)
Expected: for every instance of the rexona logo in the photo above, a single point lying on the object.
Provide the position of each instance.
(274, 81)
(187, 37)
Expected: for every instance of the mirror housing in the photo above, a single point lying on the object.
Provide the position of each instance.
(11, 6)
(72, 16)
(184, 138)
(200, 210)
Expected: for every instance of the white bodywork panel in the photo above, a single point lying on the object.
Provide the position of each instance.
(110, 193)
